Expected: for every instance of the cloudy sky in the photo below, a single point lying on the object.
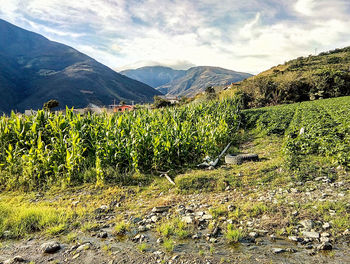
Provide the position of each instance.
(249, 35)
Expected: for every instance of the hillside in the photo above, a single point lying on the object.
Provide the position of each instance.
(34, 69)
(185, 83)
(326, 75)
(154, 76)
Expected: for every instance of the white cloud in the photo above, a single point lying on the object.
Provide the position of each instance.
(249, 35)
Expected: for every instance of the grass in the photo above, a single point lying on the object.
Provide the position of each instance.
(174, 227)
(233, 235)
(143, 247)
(169, 245)
(121, 228)
(23, 220)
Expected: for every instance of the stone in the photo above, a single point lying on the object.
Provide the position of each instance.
(82, 247)
(278, 250)
(311, 234)
(291, 250)
(154, 219)
(160, 240)
(294, 238)
(325, 234)
(16, 259)
(213, 240)
(325, 246)
(187, 219)
(102, 234)
(326, 226)
(160, 209)
(253, 234)
(325, 239)
(307, 224)
(50, 247)
(207, 217)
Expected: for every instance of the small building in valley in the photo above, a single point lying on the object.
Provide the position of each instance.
(121, 108)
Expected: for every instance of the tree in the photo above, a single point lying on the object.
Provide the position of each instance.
(210, 92)
(160, 102)
(51, 104)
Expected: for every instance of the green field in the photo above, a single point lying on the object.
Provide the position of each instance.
(53, 149)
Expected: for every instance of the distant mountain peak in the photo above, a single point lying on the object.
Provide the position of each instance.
(185, 82)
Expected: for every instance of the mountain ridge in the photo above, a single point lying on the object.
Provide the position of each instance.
(34, 69)
(192, 81)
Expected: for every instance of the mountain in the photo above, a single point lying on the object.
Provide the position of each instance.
(196, 79)
(185, 83)
(305, 78)
(154, 76)
(34, 70)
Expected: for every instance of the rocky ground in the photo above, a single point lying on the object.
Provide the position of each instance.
(253, 222)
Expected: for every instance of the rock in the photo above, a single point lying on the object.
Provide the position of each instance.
(84, 246)
(215, 232)
(207, 217)
(326, 226)
(50, 247)
(187, 219)
(160, 209)
(325, 239)
(295, 213)
(307, 224)
(75, 203)
(13, 260)
(294, 238)
(154, 219)
(278, 250)
(160, 240)
(102, 235)
(76, 256)
(231, 207)
(325, 246)
(311, 234)
(253, 234)
(213, 240)
(325, 234)
(196, 236)
(291, 250)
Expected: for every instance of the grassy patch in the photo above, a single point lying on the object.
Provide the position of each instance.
(169, 245)
(233, 235)
(22, 220)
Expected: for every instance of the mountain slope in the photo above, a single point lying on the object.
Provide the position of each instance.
(34, 69)
(197, 79)
(305, 78)
(154, 76)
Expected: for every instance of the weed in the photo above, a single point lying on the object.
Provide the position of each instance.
(143, 247)
(169, 245)
(233, 235)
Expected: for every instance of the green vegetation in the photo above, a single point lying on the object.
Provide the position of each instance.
(121, 228)
(17, 222)
(318, 128)
(233, 235)
(48, 149)
(306, 78)
(174, 228)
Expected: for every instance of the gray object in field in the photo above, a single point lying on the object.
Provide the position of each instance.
(238, 159)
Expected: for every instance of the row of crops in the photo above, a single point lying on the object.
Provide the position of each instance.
(310, 128)
(46, 149)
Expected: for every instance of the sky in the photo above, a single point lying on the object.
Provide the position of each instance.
(241, 35)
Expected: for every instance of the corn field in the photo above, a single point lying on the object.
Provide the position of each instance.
(65, 149)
